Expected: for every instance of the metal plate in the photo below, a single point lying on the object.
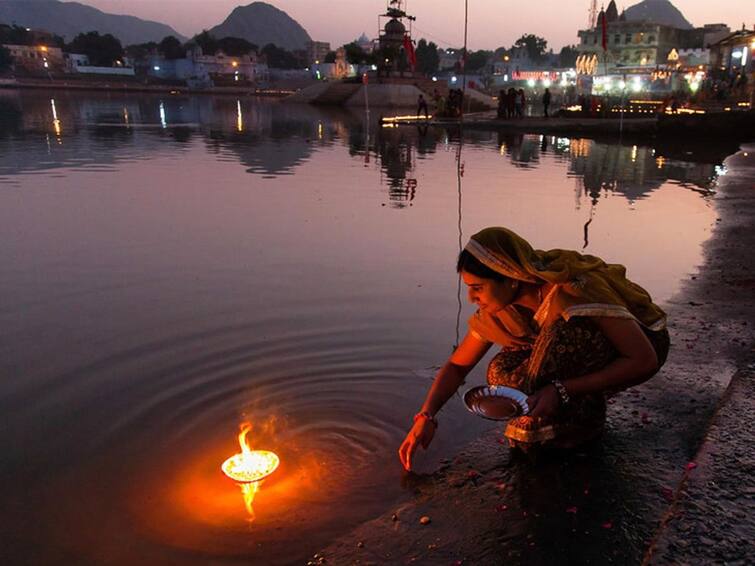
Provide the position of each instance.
(496, 402)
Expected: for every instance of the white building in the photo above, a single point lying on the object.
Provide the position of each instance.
(37, 58)
(217, 69)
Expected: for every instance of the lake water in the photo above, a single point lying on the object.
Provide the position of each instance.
(175, 266)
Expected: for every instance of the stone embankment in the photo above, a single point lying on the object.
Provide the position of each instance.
(117, 84)
(732, 126)
(712, 518)
(379, 95)
(670, 482)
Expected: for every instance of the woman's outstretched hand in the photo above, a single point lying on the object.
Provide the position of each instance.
(421, 434)
(544, 402)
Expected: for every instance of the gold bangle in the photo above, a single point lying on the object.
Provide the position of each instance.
(563, 394)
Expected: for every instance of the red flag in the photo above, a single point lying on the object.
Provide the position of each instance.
(604, 30)
(411, 56)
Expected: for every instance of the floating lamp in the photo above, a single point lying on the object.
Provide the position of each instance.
(249, 467)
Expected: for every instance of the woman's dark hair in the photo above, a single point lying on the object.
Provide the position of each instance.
(469, 263)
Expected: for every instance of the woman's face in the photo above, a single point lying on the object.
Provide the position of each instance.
(489, 294)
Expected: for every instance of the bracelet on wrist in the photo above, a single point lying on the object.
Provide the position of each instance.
(426, 415)
(563, 394)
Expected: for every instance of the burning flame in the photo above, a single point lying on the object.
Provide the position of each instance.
(249, 468)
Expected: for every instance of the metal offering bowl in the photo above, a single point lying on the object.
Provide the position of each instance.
(496, 402)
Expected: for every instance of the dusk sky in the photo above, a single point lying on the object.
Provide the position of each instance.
(492, 23)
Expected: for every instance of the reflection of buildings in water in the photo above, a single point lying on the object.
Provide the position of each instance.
(631, 171)
(11, 117)
(261, 155)
(601, 169)
(397, 150)
(40, 109)
(77, 130)
(266, 141)
(523, 150)
(269, 139)
(94, 128)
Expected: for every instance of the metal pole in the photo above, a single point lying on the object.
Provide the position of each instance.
(621, 108)
(464, 72)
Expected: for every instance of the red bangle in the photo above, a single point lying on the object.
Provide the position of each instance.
(425, 415)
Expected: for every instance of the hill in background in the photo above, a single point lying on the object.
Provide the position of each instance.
(261, 23)
(68, 19)
(659, 12)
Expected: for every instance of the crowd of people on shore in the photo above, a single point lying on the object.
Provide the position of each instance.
(445, 106)
(450, 106)
(511, 103)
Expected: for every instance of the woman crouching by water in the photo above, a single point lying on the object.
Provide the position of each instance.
(571, 329)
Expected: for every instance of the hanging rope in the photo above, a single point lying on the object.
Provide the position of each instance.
(460, 169)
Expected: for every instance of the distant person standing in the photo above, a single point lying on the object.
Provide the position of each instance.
(502, 104)
(546, 101)
(422, 106)
(511, 103)
(518, 98)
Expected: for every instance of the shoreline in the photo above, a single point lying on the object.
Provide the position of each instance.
(117, 85)
(733, 127)
(643, 493)
(728, 129)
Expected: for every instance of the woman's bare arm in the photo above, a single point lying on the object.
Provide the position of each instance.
(452, 374)
(636, 363)
(447, 381)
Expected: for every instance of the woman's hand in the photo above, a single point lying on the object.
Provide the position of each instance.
(544, 402)
(421, 434)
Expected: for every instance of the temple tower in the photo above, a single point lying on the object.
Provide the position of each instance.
(395, 38)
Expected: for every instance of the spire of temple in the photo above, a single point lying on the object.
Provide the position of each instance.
(612, 12)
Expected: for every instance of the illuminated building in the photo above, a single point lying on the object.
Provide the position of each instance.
(645, 44)
(734, 53)
(37, 58)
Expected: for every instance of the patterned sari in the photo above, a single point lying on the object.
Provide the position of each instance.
(561, 351)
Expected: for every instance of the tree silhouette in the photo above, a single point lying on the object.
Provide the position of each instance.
(568, 56)
(428, 59)
(171, 48)
(535, 46)
(236, 46)
(101, 50)
(278, 58)
(206, 42)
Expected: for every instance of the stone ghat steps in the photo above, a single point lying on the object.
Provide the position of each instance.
(712, 516)
(336, 94)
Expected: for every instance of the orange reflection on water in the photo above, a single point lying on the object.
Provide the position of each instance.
(249, 468)
(194, 505)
